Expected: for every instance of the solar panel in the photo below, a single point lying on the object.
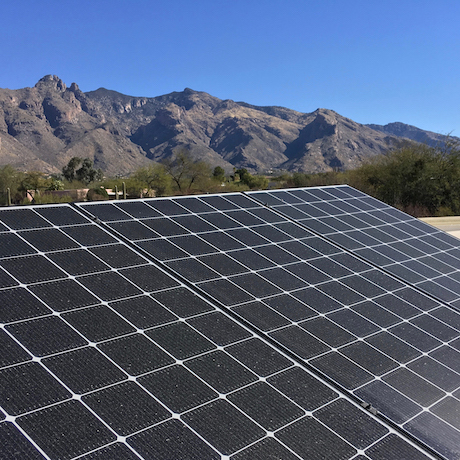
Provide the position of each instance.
(370, 333)
(106, 353)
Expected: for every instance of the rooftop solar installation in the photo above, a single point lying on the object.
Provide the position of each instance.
(370, 333)
(214, 327)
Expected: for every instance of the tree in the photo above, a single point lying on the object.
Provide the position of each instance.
(69, 170)
(219, 174)
(257, 182)
(31, 184)
(33, 180)
(81, 169)
(417, 178)
(10, 178)
(87, 174)
(242, 174)
(253, 182)
(186, 172)
(154, 177)
(300, 179)
(55, 184)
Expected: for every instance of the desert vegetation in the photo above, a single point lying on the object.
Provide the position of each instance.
(179, 175)
(419, 179)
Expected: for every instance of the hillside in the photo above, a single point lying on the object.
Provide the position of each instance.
(42, 127)
(410, 132)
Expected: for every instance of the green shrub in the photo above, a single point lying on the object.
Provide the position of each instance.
(97, 194)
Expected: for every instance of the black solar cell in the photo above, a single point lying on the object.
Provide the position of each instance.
(55, 431)
(126, 408)
(84, 369)
(223, 426)
(177, 388)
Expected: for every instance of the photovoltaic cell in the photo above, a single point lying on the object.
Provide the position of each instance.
(18, 303)
(226, 428)
(276, 410)
(120, 287)
(78, 262)
(27, 387)
(258, 356)
(55, 431)
(126, 408)
(180, 340)
(171, 439)
(219, 328)
(32, 269)
(143, 311)
(89, 235)
(346, 420)
(178, 388)
(50, 239)
(393, 446)
(429, 428)
(136, 354)
(15, 445)
(84, 370)
(221, 371)
(22, 218)
(12, 245)
(7, 280)
(45, 336)
(308, 438)
(98, 323)
(260, 315)
(64, 295)
(61, 215)
(194, 223)
(118, 256)
(108, 214)
(12, 352)
(133, 230)
(137, 209)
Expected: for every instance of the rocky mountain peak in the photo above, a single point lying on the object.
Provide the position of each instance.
(52, 82)
(325, 112)
(323, 124)
(74, 88)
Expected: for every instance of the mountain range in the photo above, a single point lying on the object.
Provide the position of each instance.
(42, 127)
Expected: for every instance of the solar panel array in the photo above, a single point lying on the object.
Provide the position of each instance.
(369, 332)
(214, 327)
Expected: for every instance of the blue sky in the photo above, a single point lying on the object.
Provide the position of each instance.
(372, 61)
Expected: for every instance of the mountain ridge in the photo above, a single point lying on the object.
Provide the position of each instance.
(42, 127)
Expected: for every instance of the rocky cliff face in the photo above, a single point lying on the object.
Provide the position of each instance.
(43, 127)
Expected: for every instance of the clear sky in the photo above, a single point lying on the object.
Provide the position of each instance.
(374, 61)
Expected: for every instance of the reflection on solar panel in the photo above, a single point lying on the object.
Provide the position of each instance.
(215, 327)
